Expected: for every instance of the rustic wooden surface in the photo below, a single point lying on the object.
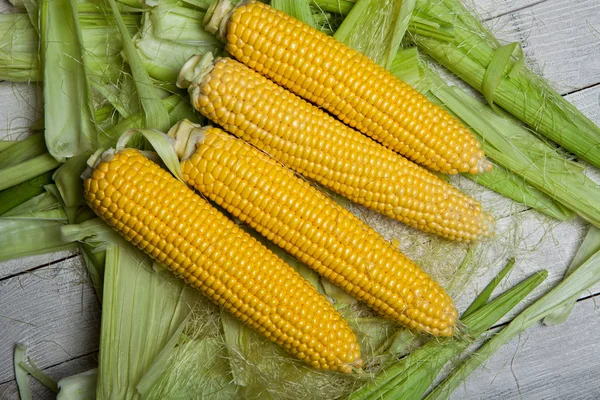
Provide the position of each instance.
(47, 301)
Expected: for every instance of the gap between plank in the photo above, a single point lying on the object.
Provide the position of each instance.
(91, 353)
(40, 266)
(511, 11)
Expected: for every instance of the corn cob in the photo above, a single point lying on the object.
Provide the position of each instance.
(313, 228)
(347, 84)
(165, 219)
(314, 144)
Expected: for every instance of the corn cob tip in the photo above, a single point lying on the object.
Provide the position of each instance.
(193, 71)
(186, 135)
(95, 159)
(483, 165)
(217, 17)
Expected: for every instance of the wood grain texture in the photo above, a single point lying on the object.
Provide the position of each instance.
(489, 9)
(9, 390)
(53, 310)
(19, 265)
(560, 39)
(19, 108)
(543, 363)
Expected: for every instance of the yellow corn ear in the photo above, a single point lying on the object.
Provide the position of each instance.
(314, 144)
(164, 218)
(349, 85)
(305, 222)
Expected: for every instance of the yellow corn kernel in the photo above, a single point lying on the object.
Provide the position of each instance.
(349, 85)
(212, 254)
(313, 228)
(316, 145)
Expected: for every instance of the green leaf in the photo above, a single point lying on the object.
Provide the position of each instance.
(68, 107)
(485, 295)
(156, 115)
(26, 170)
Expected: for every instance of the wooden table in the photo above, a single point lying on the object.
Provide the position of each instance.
(47, 301)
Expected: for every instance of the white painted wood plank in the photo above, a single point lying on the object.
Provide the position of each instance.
(53, 310)
(489, 9)
(9, 390)
(16, 266)
(19, 108)
(560, 39)
(6, 7)
(544, 363)
(588, 102)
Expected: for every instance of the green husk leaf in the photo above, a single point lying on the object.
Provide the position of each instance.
(155, 113)
(178, 24)
(510, 145)
(25, 236)
(510, 185)
(20, 374)
(178, 108)
(519, 91)
(590, 246)
(5, 144)
(587, 275)
(493, 73)
(162, 144)
(485, 295)
(26, 170)
(388, 21)
(37, 205)
(410, 377)
(18, 49)
(68, 107)
(18, 194)
(39, 375)
(141, 311)
(68, 181)
(163, 59)
(342, 7)
(78, 387)
(159, 365)
(299, 9)
(210, 378)
(94, 260)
